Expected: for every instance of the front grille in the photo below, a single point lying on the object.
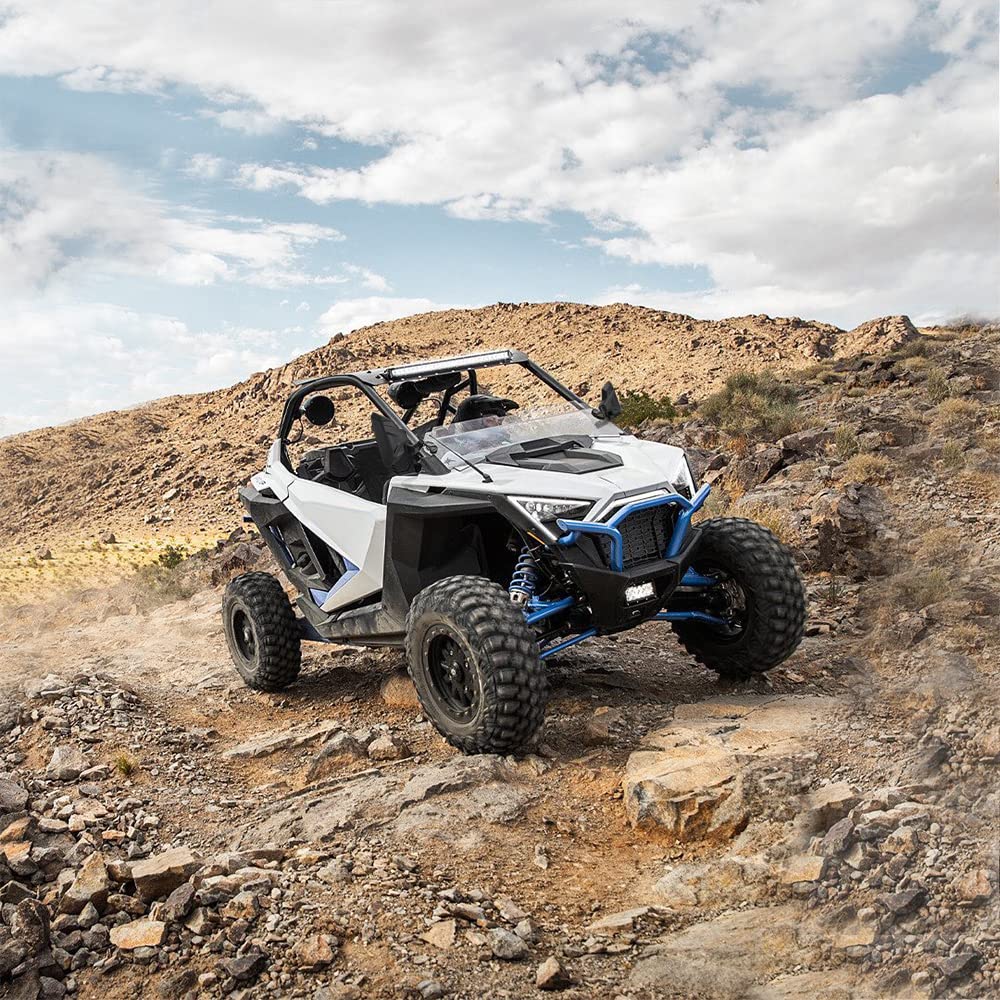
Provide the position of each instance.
(644, 536)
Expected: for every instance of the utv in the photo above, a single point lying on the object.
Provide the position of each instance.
(489, 537)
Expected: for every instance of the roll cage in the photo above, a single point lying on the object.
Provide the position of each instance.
(368, 383)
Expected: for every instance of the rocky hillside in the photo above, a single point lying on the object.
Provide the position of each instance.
(829, 830)
(174, 464)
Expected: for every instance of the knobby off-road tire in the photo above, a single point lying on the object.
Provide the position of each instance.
(261, 631)
(775, 601)
(474, 662)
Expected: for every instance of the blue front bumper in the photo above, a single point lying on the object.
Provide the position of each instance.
(609, 529)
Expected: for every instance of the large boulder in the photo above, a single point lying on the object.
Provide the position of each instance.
(689, 779)
(67, 763)
(139, 934)
(748, 471)
(849, 524)
(13, 798)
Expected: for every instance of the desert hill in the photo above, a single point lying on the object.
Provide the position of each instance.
(175, 463)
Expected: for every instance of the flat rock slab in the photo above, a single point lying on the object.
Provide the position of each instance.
(283, 739)
(687, 780)
(139, 934)
(161, 874)
(726, 957)
(379, 797)
(828, 984)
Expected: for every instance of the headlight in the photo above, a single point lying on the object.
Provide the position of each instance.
(544, 509)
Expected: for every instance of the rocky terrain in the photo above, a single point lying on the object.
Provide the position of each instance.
(830, 829)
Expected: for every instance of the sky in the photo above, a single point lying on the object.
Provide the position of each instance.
(194, 191)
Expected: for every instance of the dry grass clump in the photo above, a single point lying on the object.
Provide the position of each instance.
(955, 415)
(939, 544)
(914, 589)
(754, 405)
(777, 521)
(936, 385)
(124, 765)
(952, 455)
(845, 441)
(867, 468)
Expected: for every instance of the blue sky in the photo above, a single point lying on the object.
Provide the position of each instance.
(194, 195)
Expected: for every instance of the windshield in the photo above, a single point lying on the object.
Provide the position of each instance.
(475, 439)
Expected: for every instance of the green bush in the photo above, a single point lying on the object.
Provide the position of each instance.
(172, 556)
(754, 405)
(638, 407)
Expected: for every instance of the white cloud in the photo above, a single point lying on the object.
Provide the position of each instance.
(740, 137)
(205, 166)
(368, 278)
(64, 214)
(351, 314)
(100, 356)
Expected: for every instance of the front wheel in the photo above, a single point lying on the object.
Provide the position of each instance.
(759, 595)
(261, 631)
(474, 662)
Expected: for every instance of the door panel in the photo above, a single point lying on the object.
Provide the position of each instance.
(353, 527)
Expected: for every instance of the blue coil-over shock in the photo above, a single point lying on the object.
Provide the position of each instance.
(525, 578)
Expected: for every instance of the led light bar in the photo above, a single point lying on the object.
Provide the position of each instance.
(639, 592)
(451, 364)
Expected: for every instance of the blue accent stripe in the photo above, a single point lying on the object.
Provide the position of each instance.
(350, 572)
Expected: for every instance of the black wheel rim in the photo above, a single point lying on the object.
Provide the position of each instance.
(451, 674)
(244, 635)
(729, 601)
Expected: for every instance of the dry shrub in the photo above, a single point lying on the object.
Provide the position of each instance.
(918, 347)
(777, 521)
(939, 544)
(936, 385)
(952, 455)
(845, 440)
(755, 405)
(955, 415)
(739, 445)
(867, 468)
(914, 589)
(967, 637)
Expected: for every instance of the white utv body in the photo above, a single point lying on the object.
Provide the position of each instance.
(491, 537)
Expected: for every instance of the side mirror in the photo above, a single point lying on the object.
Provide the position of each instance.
(319, 410)
(611, 406)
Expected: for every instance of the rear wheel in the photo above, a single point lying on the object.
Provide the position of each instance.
(262, 632)
(474, 662)
(759, 595)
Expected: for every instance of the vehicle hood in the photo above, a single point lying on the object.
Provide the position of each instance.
(645, 465)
